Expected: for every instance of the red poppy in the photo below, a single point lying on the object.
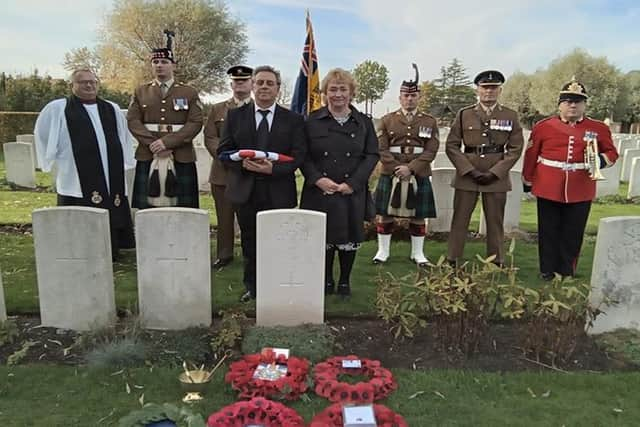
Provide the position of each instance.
(332, 416)
(258, 410)
(289, 386)
(379, 386)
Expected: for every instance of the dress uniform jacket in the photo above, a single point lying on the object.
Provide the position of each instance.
(558, 141)
(212, 135)
(396, 131)
(475, 129)
(180, 106)
(346, 153)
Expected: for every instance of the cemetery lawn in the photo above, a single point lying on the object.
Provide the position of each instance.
(40, 395)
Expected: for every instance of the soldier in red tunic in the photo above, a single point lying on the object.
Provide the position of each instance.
(556, 171)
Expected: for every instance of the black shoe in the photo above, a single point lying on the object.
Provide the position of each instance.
(247, 296)
(344, 290)
(547, 277)
(221, 262)
(329, 288)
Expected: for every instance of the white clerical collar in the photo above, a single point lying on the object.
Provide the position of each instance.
(169, 82)
(272, 108)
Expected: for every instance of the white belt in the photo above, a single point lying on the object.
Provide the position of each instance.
(407, 149)
(562, 165)
(157, 127)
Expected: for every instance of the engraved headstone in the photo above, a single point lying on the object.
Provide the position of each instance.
(20, 164)
(73, 264)
(629, 154)
(616, 273)
(174, 275)
(634, 179)
(443, 194)
(512, 207)
(290, 267)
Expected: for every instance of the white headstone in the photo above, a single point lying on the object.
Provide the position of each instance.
(291, 246)
(625, 144)
(174, 274)
(443, 135)
(20, 164)
(443, 194)
(616, 273)
(441, 161)
(203, 165)
(611, 185)
(512, 207)
(73, 263)
(31, 140)
(634, 179)
(629, 154)
(3, 307)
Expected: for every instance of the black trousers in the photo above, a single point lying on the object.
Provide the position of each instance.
(246, 213)
(560, 234)
(121, 235)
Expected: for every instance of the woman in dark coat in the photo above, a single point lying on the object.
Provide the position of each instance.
(343, 150)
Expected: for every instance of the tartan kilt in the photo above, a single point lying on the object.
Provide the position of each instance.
(425, 203)
(186, 185)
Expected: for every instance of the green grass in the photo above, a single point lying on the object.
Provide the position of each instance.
(52, 396)
(21, 291)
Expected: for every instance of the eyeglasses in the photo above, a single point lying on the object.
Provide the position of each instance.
(269, 83)
(86, 82)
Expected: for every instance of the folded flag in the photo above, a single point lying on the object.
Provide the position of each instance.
(236, 156)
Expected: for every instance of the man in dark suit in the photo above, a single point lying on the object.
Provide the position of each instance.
(258, 185)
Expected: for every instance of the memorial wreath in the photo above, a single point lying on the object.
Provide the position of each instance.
(257, 411)
(332, 416)
(381, 382)
(289, 384)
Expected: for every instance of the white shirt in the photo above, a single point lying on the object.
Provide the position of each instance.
(272, 112)
(54, 145)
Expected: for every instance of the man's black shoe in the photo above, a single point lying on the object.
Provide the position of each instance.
(329, 288)
(344, 290)
(547, 277)
(221, 262)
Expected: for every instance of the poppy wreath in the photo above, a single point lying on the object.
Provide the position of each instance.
(381, 382)
(332, 416)
(258, 411)
(289, 387)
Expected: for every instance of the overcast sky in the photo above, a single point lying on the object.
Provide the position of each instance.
(506, 35)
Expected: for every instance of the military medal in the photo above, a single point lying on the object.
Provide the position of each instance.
(424, 132)
(180, 104)
(117, 201)
(96, 198)
(590, 135)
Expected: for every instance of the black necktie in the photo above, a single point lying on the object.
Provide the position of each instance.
(262, 135)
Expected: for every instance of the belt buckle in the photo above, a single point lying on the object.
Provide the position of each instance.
(570, 167)
(480, 150)
(164, 128)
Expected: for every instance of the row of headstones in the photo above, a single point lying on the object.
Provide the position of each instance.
(75, 272)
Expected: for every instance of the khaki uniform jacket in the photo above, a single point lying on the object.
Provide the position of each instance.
(396, 131)
(148, 106)
(212, 135)
(474, 128)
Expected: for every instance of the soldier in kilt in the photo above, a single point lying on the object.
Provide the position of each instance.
(408, 143)
(164, 116)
